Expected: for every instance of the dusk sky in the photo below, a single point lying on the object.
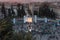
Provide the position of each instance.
(27, 1)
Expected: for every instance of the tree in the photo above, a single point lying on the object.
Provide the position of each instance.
(12, 11)
(3, 10)
(5, 29)
(20, 36)
(53, 14)
(20, 10)
(36, 13)
(44, 11)
(9, 12)
(23, 11)
(28, 36)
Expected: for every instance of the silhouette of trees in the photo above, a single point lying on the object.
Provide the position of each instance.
(23, 11)
(3, 10)
(53, 14)
(12, 11)
(44, 11)
(20, 10)
(5, 29)
(28, 36)
(35, 13)
(9, 12)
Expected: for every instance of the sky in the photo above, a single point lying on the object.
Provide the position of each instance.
(27, 1)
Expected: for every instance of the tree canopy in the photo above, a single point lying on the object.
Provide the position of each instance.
(44, 11)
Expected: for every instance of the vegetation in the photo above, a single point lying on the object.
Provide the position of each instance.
(5, 28)
(3, 10)
(44, 11)
(20, 10)
(28, 36)
(7, 32)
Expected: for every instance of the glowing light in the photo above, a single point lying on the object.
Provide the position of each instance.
(29, 19)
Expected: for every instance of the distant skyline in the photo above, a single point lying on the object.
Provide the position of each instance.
(27, 1)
